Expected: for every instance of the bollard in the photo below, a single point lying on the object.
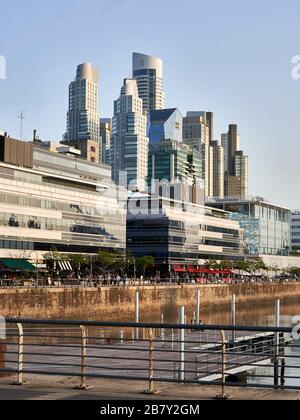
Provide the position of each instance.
(83, 385)
(20, 380)
(122, 337)
(181, 345)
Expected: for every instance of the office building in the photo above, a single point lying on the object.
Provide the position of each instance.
(83, 124)
(266, 225)
(295, 231)
(178, 233)
(174, 161)
(197, 133)
(165, 124)
(148, 72)
(56, 201)
(129, 141)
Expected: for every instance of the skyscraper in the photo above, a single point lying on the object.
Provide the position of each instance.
(197, 133)
(235, 164)
(148, 72)
(83, 125)
(218, 169)
(105, 133)
(129, 141)
(165, 124)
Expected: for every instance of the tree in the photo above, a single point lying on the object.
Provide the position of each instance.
(145, 263)
(105, 259)
(78, 261)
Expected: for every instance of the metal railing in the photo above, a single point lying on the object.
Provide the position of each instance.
(259, 357)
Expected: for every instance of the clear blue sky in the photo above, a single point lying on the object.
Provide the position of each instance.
(232, 57)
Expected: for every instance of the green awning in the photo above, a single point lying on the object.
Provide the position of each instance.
(20, 265)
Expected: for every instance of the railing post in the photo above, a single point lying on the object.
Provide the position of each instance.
(223, 396)
(233, 314)
(276, 345)
(182, 345)
(137, 313)
(151, 389)
(162, 334)
(84, 339)
(20, 380)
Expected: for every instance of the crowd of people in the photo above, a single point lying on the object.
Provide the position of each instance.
(116, 280)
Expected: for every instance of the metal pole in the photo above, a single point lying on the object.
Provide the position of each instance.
(276, 344)
(137, 312)
(151, 362)
(223, 396)
(181, 345)
(233, 314)
(198, 306)
(20, 355)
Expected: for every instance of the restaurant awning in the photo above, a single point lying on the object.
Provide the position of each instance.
(18, 265)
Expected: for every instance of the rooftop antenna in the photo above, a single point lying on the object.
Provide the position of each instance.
(21, 118)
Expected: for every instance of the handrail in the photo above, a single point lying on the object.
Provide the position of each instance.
(158, 326)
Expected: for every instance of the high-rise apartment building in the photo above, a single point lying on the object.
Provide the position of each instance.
(83, 126)
(105, 133)
(148, 72)
(218, 169)
(129, 141)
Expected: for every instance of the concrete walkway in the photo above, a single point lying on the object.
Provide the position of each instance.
(40, 388)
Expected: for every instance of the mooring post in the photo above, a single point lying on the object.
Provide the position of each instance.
(276, 344)
(182, 345)
(137, 313)
(233, 317)
(20, 355)
(198, 306)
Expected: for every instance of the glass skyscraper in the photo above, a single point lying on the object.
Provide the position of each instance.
(165, 124)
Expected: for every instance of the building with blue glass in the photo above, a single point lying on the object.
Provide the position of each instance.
(267, 226)
(165, 124)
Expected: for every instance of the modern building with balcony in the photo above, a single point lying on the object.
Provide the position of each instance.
(56, 201)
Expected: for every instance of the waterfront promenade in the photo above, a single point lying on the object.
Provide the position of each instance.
(45, 388)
